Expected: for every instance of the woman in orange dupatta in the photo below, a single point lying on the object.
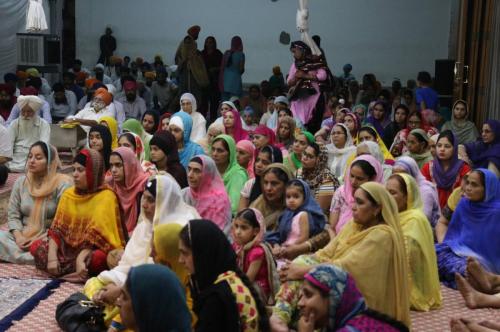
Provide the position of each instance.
(86, 225)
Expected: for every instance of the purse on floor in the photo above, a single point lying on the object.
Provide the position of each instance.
(79, 314)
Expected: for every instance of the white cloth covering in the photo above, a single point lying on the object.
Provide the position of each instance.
(170, 208)
(35, 18)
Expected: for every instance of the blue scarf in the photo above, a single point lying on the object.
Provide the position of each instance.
(158, 299)
(190, 149)
(473, 230)
(317, 219)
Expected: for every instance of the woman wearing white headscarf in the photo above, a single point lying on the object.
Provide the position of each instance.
(340, 148)
(27, 129)
(188, 105)
(169, 208)
(373, 149)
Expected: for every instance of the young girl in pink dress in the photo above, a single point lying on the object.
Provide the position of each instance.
(302, 219)
(253, 257)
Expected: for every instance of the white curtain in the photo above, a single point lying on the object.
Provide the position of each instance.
(12, 21)
(493, 94)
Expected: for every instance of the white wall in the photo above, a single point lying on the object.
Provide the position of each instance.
(391, 38)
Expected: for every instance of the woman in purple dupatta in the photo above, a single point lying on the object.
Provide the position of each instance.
(485, 152)
(330, 301)
(473, 230)
(379, 116)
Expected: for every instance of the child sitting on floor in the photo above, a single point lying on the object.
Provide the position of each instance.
(253, 257)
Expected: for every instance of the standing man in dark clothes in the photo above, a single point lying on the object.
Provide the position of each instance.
(107, 44)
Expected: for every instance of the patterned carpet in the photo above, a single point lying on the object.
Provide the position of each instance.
(42, 317)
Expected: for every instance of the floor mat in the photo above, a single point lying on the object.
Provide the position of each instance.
(453, 306)
(42, 318)
(20, 296)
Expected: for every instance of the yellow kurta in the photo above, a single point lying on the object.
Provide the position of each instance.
(376, 258)
(425, 291)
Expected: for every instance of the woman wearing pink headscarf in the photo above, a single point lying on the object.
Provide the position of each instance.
(232, 125)
(262, 136)
(245, 151)
(363, 169)
(128, 182)
(206, 192)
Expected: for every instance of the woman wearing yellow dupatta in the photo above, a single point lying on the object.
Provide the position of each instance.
(368, 133)
(86, 225)
(425, 293)
(112, 125)
(371, 248)
(166, 252)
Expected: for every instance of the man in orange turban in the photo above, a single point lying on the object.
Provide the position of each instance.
(90, 116)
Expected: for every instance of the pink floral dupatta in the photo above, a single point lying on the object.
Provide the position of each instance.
(211, 200)
(347, 192)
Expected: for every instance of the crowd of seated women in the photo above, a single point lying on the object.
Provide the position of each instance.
(345, 229)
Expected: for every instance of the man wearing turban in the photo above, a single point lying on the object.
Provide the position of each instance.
(133, 105)
(191, 71)
(26, 130)
(98, 107)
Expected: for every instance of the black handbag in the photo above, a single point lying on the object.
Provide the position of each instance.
(78, 314)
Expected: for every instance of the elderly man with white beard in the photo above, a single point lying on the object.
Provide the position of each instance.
(26, 130)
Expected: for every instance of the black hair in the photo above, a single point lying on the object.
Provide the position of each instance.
(58, 87)
(401, 181)
(77, 62)
(386, 319)
(296, 183)
(35, 82)
(80, 159)
(151, 187)
(481, 176)
(366, 167)
(197, 160)
(317, 40)
(424, 77)
(385, 93)
(369, 130)
(280, 174)
(223, 141)
(447, 134)
(249, 216)
(315, 146)
(344, 130)
(130, 138)
(4, 174)
(43, 146)
(185, 237)
(287, 111)
(402, 107)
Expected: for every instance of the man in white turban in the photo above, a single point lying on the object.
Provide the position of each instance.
(26, 130)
